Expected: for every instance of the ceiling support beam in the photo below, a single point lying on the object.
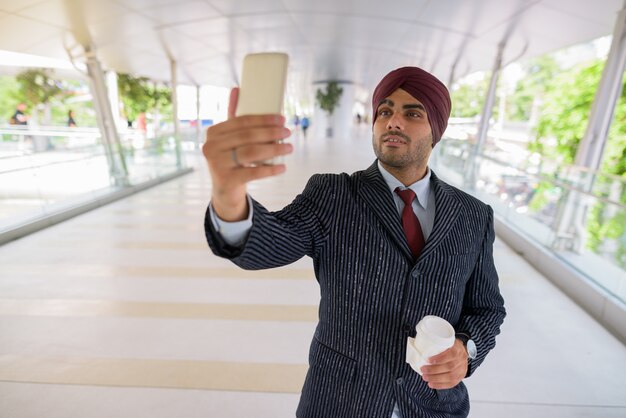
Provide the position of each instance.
(591, 148)
(110, 138)
(471, 166)
(452, 75)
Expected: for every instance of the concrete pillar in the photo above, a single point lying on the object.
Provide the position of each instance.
(342, 119)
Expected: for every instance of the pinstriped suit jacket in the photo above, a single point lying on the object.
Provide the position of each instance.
(373, 293)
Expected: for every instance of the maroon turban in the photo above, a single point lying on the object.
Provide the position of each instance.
(425, 87)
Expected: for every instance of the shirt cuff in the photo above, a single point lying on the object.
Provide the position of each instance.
(234, 233)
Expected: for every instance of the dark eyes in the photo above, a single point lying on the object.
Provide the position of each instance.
(409, 113)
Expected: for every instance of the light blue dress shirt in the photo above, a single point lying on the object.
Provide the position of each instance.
(423, 206)
(234, 233)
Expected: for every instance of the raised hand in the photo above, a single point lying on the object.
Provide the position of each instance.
(233, 150)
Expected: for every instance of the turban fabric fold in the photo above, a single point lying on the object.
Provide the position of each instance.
(425, 87)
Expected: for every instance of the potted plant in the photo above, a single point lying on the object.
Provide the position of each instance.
(328, 101)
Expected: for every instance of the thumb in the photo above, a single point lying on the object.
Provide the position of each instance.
(232, 102)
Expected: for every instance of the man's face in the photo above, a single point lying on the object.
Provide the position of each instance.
(402, 137)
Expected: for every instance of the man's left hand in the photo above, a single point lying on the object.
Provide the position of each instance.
(447, 369)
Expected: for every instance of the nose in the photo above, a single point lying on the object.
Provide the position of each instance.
(394, 123)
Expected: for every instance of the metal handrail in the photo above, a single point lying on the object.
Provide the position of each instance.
(561, 184)
(566, 169)
(496, 134)
(51, 131)
(31, 167)
(72, 160)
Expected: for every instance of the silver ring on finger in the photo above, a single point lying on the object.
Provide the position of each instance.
(233, 156)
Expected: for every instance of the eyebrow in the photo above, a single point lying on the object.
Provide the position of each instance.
(406, 106)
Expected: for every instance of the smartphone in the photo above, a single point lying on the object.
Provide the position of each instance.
(262, 89)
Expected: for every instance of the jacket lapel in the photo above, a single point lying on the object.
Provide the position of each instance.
(447, 209)
(376, 194)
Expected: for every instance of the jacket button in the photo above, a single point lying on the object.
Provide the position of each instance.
(400, 380)
(406, 328)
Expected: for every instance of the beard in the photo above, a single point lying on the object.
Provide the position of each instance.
(417, 153)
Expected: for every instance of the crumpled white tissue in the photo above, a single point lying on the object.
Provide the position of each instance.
(434, 335)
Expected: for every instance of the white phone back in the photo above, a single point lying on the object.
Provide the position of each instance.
(263, 81)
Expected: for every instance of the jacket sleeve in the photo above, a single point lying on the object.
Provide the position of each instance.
(483, 306)
(280, 238)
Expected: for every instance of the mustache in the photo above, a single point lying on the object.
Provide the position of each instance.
(395, 133)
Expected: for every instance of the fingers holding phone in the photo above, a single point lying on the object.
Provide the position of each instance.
(263, 82)
(256, 154)
(246, 147)
(247, 141)
(236, 150)
(233, 150)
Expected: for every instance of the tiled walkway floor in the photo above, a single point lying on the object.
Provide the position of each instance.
(124, 312)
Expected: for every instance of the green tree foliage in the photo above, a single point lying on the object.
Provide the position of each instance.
(140, 95)
(564, 116)
(569, 97)
(468, 98)
(78, 99)
(568, 101)
(9, 97)
(329, 99)
(39, 86)
(615, 153)
(531, 89)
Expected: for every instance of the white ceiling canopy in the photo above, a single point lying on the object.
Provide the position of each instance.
(353, 40)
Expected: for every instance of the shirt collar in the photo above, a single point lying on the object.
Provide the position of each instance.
(420, 187)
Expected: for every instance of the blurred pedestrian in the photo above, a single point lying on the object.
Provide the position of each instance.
(20, 117)
(305, 125)
(142, 125)
(70, 119)
(296, 122)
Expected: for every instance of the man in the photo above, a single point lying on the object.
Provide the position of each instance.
(382, 264)
(71, 122)
(19, 117)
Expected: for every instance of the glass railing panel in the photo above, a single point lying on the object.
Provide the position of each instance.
(44, 167)
(577, 214)
(47, 169)
(149, 158)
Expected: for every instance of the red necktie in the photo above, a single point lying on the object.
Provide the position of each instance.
(410, 223)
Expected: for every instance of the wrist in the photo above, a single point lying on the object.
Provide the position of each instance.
(229, 209)
(468, 343)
